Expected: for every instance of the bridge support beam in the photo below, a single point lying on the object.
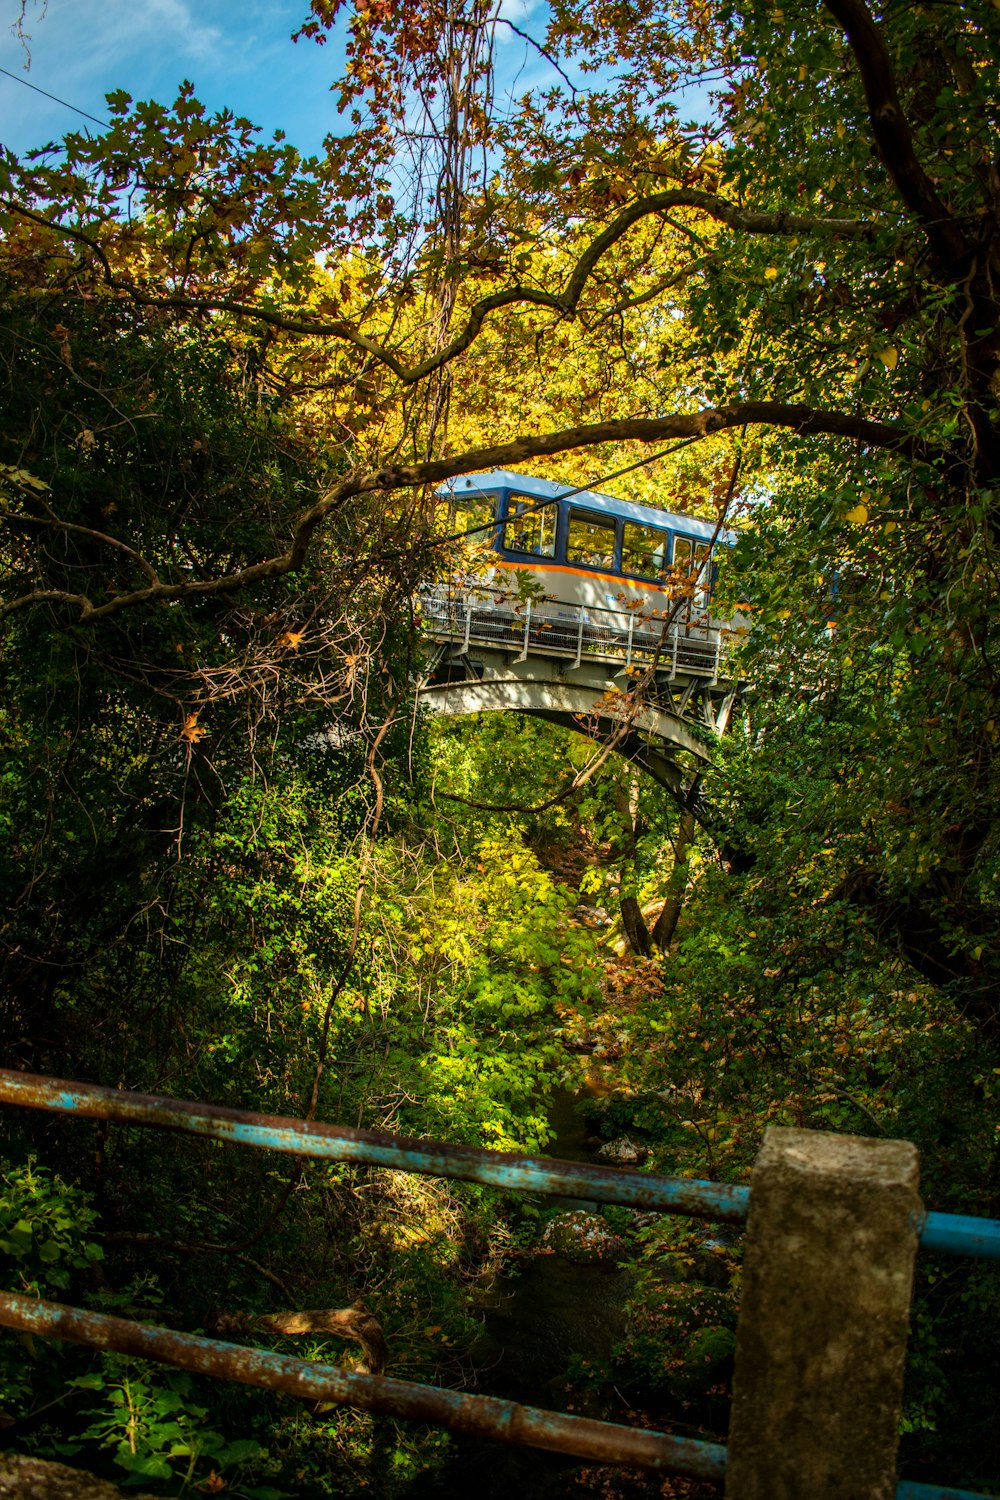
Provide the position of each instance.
(831, 1241)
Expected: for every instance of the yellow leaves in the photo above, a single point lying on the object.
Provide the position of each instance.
(192, 731)
(290, 640)
(21, 479)
(889, 356)
(803, 72)
(770, 273)
(858, 514)
(841, 130)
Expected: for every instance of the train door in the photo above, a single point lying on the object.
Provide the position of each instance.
(692, 571)
(471, 520)
(472, 517)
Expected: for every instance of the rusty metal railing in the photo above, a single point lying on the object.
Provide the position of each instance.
(479, 1416)
(953, 1234)
(484, 1416)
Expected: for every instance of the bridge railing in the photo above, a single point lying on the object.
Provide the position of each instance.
(823, 1199)
(487, 615)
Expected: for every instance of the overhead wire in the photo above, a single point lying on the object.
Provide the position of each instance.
(55, 98)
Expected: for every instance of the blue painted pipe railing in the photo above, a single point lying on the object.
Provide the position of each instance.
(953, 1234)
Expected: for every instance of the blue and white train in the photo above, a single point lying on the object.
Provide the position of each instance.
(589, 571)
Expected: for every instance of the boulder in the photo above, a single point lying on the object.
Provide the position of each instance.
(24, 1478)
(622, 1152)
(582, 1237)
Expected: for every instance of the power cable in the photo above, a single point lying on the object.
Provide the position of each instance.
(55, 98)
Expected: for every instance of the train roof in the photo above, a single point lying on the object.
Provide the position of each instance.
(548, 489)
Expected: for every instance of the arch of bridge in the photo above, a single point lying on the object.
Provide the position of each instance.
(649, 735)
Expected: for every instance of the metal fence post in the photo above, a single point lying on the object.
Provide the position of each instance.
(831, 1240)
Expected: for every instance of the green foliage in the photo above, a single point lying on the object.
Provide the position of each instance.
(44, 1226)
(232, 871)
(154, 1427)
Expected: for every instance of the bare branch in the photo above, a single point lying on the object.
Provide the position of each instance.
(15, 518)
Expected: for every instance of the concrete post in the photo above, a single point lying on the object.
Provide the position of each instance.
(828, 1270)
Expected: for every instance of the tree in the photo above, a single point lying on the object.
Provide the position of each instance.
(813, 264)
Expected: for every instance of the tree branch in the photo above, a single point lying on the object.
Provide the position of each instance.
(16, 518)
(892, 131)
(804, 420)
(746, 221)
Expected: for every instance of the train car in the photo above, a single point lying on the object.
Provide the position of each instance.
(584, 548)
(584, 566)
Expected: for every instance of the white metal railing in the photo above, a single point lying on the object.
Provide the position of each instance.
(574, 633)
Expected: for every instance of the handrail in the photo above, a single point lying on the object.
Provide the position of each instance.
(483, 1416)
(479, 1416)
(494, 616)
(376, 1148)
(954, 1234)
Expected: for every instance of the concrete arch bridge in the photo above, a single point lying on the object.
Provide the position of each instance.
(492, 653)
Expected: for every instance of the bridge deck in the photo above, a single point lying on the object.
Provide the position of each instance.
(574, 634)
(578, 666)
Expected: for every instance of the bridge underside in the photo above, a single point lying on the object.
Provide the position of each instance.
(651, 734)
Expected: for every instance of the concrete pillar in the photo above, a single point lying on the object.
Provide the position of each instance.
(828, 1270)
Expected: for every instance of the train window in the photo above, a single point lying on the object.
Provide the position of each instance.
(683, 553)
(530, 530)
(469, 510)
(590, 539)
(644, 551)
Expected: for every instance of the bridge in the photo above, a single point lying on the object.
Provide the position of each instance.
(650, 685)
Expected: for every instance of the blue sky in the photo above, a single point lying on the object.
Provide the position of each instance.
(236, 52)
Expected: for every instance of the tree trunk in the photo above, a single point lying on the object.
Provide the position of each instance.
(666, 923)
(635, 927)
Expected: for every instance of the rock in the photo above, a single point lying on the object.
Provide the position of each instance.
(582, 1237)
(24, 1478)
(622, 1152)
